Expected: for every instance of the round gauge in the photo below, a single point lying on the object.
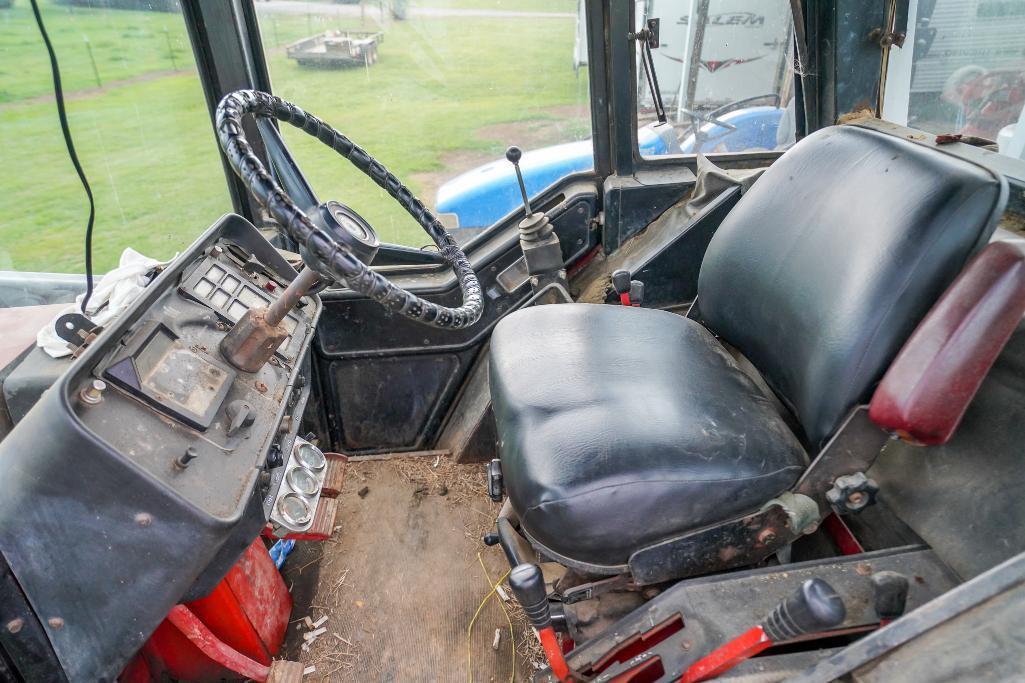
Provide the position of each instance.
(309, 456)
(303, 481)
(294, 510)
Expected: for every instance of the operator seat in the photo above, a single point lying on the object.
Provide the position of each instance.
(622, 427)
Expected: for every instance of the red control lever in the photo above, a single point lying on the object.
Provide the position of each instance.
(631, 292)
(528, 585)
(814, 607)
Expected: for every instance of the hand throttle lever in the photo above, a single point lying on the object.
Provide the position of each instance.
(814, 607)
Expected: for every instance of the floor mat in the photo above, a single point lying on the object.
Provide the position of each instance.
(400, 580)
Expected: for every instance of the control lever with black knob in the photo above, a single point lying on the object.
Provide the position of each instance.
(891, 595)
(528, 585)
(814, 607)
(542, 251)
(630, 291)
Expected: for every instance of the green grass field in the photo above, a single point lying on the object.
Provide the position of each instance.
(148, 148)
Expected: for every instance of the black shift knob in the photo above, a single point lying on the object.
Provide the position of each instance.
(528, 585)
(814, 607)
(514, 154)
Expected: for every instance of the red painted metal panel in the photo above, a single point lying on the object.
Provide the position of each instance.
(263, 595)
(211, 646)
(927, 389)
(230, 634)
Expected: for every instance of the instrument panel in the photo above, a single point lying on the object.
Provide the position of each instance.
(152, 463)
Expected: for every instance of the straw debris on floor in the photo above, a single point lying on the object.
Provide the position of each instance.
(400, 581)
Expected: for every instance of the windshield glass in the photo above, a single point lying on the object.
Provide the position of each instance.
(140, 125)
(435, 90)
(961, 70)
(724, 71)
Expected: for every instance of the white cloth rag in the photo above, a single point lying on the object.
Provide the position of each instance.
(111, 296)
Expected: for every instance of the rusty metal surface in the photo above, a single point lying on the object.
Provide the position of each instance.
(253, 340)
(737, 543)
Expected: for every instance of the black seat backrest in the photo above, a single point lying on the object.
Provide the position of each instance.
(830, 260)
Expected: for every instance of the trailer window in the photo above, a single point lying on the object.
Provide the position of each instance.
(140, 124)
(961, 70)
(724, 74)
(435, 90)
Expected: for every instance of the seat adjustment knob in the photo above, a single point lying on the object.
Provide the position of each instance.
(852, 493)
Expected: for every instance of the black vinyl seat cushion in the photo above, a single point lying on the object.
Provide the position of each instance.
(620, 427)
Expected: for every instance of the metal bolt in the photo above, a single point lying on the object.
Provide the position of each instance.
(93, 393)
(261, 387)
(221, 327)
(686, 645)
(766, 536)
(14, 625)
(55, 622)
(185, 458)
(143, 519)
(216, 251)
(857, 499)
(274, 361)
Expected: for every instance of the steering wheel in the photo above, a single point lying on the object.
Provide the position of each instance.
(334, 240)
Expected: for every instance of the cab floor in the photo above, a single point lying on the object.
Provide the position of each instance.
(400, 580)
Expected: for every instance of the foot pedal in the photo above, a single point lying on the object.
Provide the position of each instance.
(285, 672)
(323, 523)
(335, 476)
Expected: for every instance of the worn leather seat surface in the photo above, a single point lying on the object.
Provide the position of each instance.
(619, 427)
(622, 426)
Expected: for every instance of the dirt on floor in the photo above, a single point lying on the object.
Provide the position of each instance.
(402, 578)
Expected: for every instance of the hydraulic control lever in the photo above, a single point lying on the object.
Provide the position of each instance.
(631, 292)
(814, 607)
(528, 585)
(541, 248)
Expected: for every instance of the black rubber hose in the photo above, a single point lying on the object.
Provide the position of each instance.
(330, 258)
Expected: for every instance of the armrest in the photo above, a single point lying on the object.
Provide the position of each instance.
(927, 389)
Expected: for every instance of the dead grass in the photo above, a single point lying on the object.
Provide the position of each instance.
(463, 485)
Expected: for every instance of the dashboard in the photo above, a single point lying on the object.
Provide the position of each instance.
(152, 463)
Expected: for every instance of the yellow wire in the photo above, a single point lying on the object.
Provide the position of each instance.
(469, 629)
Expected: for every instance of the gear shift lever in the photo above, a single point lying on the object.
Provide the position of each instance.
(540, 244)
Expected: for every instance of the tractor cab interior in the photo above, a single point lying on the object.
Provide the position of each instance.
(750, 416)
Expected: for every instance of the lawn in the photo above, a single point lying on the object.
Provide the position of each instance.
(148, 149)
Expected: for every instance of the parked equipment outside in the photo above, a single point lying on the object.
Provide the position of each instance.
(335, 49)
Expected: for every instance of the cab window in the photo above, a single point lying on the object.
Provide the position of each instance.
(961, 70)
(141, 129)
(724, 75)
(435, 90)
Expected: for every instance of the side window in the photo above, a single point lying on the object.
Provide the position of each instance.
(961, 70)
(141, 128)
(435, 90)
(724, 75)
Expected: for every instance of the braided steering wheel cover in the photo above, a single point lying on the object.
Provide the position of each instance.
(336, 260)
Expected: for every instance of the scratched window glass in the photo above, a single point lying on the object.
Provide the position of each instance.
(961, 70)
(724, 76)
(140, 125)
(435, 90)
